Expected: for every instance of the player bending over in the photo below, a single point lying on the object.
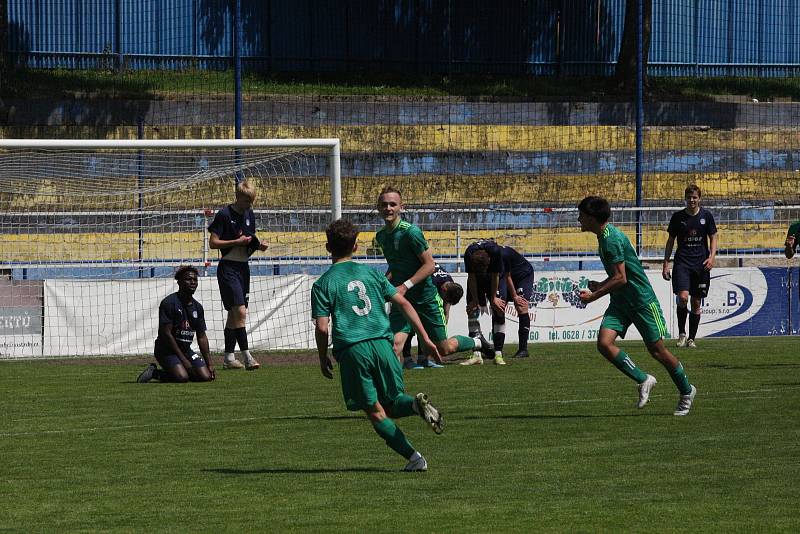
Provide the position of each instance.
(351, 296)
(410, 268)
(450, 292)
(179, 317)
(497, 274)
(633, 301)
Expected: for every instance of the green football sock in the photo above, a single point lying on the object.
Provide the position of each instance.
(394, 437)
(403, 406)
(679, 377)
(465, 343)
(624, 363)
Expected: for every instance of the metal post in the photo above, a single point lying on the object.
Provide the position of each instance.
(336, 182)
(237, 67)
(639, 118)
(140, 182)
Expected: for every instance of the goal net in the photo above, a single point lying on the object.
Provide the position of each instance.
(91, 233)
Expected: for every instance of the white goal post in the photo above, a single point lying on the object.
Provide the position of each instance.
(91, 232)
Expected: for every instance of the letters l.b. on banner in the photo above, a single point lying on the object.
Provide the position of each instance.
(20, 318)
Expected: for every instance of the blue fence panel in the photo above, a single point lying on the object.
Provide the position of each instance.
(689, 37)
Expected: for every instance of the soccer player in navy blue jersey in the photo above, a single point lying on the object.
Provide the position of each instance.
(180, 316)
(233, 233)
(696, 233)
(450, 292)
(498, 274)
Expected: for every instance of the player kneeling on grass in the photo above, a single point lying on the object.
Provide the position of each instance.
(633, 301)
(349, 298)
(179, 317)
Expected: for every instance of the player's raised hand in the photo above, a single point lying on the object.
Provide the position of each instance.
(242, 240)
(586, 295)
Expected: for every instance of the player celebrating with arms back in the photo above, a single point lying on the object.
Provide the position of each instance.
(351, 296)
(633, 301)
(696, 232)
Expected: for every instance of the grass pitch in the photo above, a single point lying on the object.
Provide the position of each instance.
(553, 443)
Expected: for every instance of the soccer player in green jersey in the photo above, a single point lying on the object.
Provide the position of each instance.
(792, 240)
(410, 267)
(351, 296)
(633, 301)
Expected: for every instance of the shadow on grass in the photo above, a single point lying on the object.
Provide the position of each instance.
(745, 367)
(287, 470)
(574, 416)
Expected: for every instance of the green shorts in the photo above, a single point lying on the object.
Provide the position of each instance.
(431, 314)
(648, 320)
(370, 373)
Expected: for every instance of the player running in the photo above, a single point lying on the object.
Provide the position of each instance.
(352, 296)
(633, 301)
(696, 233)
(497, 274)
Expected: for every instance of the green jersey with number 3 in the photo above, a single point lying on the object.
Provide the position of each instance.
(353, 295)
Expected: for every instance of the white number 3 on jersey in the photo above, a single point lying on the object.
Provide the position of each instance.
(362, 295)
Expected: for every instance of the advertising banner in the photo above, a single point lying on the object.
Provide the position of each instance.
(20, 318)
(100, 318)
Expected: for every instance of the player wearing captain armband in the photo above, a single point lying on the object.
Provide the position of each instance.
(497, 274)
(410, 266)
(633, 301)
(348, 301)
(696, 233)
(233, 232)
(180, 316)
(450, 292)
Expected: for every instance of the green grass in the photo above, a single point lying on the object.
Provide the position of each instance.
(162, 84)
(552, 443)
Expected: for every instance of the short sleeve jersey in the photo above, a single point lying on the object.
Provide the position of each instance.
(692, 233)
(440, 277)
(615, 247)
(401, 247)
(186, 319)
(353, 295)
(228, 224)
(794, 230)
(502, 259)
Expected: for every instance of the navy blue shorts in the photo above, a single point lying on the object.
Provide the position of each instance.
(234, 283)
(524, 287)
(695, 281)
(171, 360)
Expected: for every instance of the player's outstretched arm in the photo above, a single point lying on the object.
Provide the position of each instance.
(412, 317)
(321, 337)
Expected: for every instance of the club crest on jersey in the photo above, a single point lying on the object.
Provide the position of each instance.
(194, 314)
(702, 221)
